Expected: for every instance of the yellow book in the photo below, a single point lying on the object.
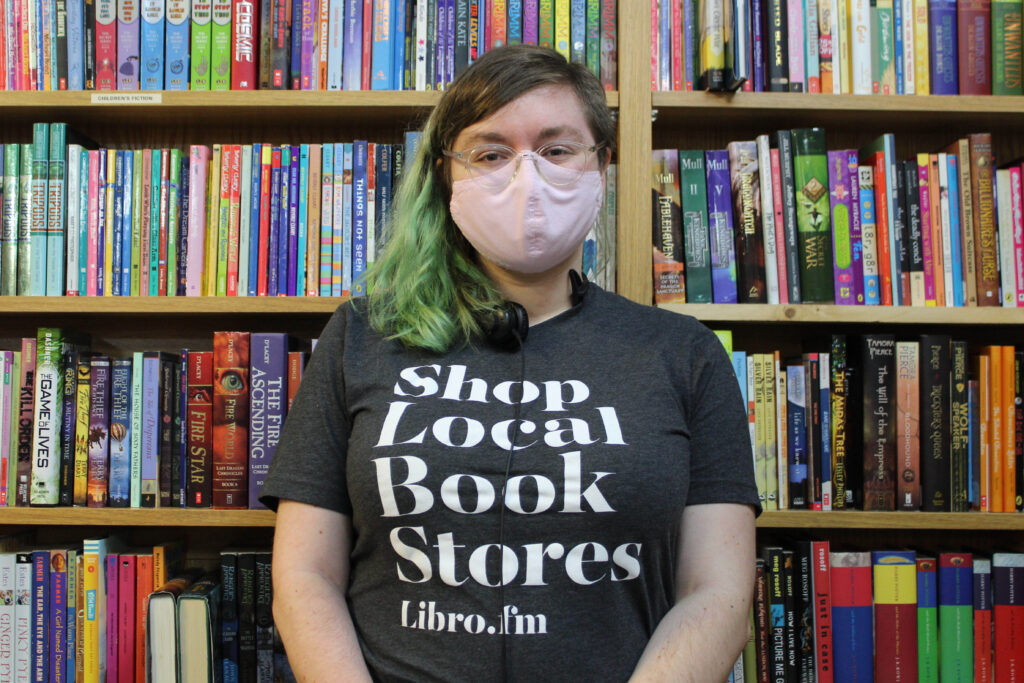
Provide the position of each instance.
(895, 578)
(81, 462)
(108, 225)
(842, 56)
(725, 336)
(562, 32)
(760, 442)
(95, 551)
(782, 432)
(80, 615)
(212, 221)
(712, 41)
(759, 473)
(167, 559)
(922, 85)
(770, 439)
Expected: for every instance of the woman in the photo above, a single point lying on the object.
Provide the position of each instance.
(463, 495)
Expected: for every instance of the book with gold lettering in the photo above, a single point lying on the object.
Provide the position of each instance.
(669, 259)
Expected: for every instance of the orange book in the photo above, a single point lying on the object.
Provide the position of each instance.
(1009, 429)
(995, 427)
(984, 438)
(935, 198)
(143, 587)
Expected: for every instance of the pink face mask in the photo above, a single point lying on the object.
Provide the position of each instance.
(529, 225)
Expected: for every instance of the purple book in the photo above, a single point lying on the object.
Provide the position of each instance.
(723, 254)
(99, 424)
(268, 398)
(275, 222)
(449, 43)
(531, 17)
(150, 486)
(182, 445)
(840, 205)
(439, 46)
(293, 221)
(352, 60)
(281, 265)
(113, 559)
(757, 40)
(128, 44)
(40, 615)
(856, 240)
(58, 645)
(308, 70)
(943, 64)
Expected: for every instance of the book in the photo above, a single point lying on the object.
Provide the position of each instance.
(927, 620)
(669, 257)
(267, 396)
(935, 467)
(956, 614)
(723, 258)
(746, 194)
(852, 620)
(198, 644)
(810, 168)
(908, 425)
(879, 456)
(982, 594)
(1007, 615)
(230, 419)
(895, 610)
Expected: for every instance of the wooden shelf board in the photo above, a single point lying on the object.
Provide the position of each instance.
(129, 517)
(162, 305)
(831, 314)
(908, 521)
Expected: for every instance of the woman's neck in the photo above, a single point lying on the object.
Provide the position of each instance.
(543, 295)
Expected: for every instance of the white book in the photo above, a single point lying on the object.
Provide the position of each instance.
(421, 44)
(335, 41)
(947, 243)
(832, 7)
(909, 77)
(7, 607)
(781, 454)
(860, 46)
(23, 618)
(45, 487)
(771, 264)
(1004, 236)
(72, 232)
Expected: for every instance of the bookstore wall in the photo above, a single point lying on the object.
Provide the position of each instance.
(189, 189)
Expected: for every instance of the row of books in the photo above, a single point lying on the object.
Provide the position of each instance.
(879, 424)
(892, 47)
(105, 611)
(150, 430)
(888, 616)
(128, 45)
(782, 219)
(231, 220)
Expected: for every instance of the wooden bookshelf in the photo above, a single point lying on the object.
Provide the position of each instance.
(128, 517)
(892, 521)
(168, 305)
(827, 314)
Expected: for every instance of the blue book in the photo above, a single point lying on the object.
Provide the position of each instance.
(254, 219)
(176, 44)
(944, 75)
(449, 42)
(382, 61)
(326, 218)
(303, 223)
(40, 644)
(343, 233)
(284, 226)
(76, 44)
(483, 18)
(295, 64)
(359, 222)
(757, 49)
(515, 22)
(268, 396)
(352, 57)
(275, 221)
(101, 223)
(292, 261)
(151, 60)
(796, 426)
(899, 47)
(398, 12)
(956, 248)
(578, 34)
(245, 218)
(723, 255)
(150, 426)
(83, 221)
(436, 38)
(127, 215)
(974, 443)
(120, 433)
(118, 225)
(739, 368)
(872, 296)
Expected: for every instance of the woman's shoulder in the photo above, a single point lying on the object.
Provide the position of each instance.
(645, 322)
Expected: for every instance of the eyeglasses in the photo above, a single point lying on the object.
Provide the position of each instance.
(559, 163)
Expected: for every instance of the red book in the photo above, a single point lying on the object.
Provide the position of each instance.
(296, 365)
(780, 228)
(368, 44)
(244, 32)
(895, 590)
(126, 619)
(266, 167)
(974, 35)
(821, 584)
(199, 486)
(143, 587)
(1008, 615)
(877, 160)
(982, 619)
(983, 193)
(106, 45)
(655, 57)
(165, 188)
(230, 420)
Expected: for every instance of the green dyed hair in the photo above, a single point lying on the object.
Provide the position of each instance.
(426, 288)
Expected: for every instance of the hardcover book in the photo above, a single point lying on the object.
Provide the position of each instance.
(1008, 615)
(852, 619)
(927, 620)
(935, 465)
(230, 419)
(896, 606)
(982, 584)
(956, 615)
(810, 169)
(746, 194)
(720, 218)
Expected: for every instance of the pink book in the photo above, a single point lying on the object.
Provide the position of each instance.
(113, 580)
(106, 45)
(199, 169)
(126, 619)
(145, 223)
(266, 171)
(797, 76)
(926, 231)
(6, 396)
(655, 57)
(780, 230)
(234, 189)
(530, 19)
(93, 227)
(1018, 232)
(677, 46)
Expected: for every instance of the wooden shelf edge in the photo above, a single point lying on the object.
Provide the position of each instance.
(893, 521)
(133, 517)
(893, 104)
(832, 314)
(169, 305)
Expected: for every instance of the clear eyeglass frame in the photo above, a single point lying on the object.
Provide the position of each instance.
(560, 163)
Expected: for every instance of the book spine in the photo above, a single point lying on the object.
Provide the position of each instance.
(150, 431)
(982, 594)
(234, 218)
(229, 615)
(982, 178)
(1007, 615)
(822, 595)
(360, 172)
(842, 271)
(128, 44)
(720, 219)
(942, 28)
(81, 459)
(9, 222)
(908, 431)
(958, 437)
(694, 210)
(669, 262)
(125, 641)
(302, 227)
(166, 417)
(935, 470)
(779, 206)
(290, 253)
(40, 615)
(266, 406)
(852, 636)
(99, 427)
(811, 181)
(1006, 48)
(151, 57)
(45, 488)
(56, 209)
(895, 608)
(927, 620)
(106, 44)
(69, 387)
(198, 168)
(230, 447)
(974, 46)
(956, 614)
(243, 44)
(26, 412)
(776, 36)
(774, 560)
(120, 435)
(201, 45)
(246, 593)
(220, 44)
(767, 227)
(750, 255)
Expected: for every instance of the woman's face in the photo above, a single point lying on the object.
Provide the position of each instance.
(541, 115)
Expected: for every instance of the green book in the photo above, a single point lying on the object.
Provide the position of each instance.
(154, 224)
(546, 23)
(56, 209)
(137, 222)
(9, 233)
(49, 381)
(927, 621)
(173, 221)
(696, 231)
(883, 50)
(25, 220)
(594, 37)
(201, 42)
(220, 46)
(1006, 48)
(814, 230)
(956, 614)
(38, 208)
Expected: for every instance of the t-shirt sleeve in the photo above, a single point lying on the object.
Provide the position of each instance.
(721, 462)
(309, 463)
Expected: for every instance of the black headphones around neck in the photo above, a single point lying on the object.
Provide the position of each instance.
(508, 327)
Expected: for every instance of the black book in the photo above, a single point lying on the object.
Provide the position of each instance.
(805, 611)
(915, 248)
(461, 35)
(902, 229)
(777, 46)
(183, 224)
(812, 380)
(775, 560)
(166, 398)
(60, 44)
(792, 624)
(264, 621)
(229, 613)
(178, 447)
(69, 369)
(784, 142)
(280, 45)
(246, 588)
(959, 445)
(878, 361)
(840, 419)
(89, 34)
(935, 466)
(762, 618)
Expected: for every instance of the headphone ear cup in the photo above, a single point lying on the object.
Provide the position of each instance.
(508, 328)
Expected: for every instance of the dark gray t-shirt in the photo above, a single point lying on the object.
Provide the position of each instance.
(621, 415)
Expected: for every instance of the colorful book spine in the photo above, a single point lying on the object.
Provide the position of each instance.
(810, 168)
(36, 270)
(26, 407)
(128, 44)
(40, 615)
(750, 256)
(869, 236)
(942, 26)
(99, 426)
(720, 219)
(56, 209)
(895, 609)
(45, 488)
(1008, 615)
(360, 172)
(200, 433)
(9, 225)
(840, 204)
(120, 436)
(244, 34)
(927, 620)
(852, 619)
(230, 446)
(694, 208)
(352, 57)
(669, 261)
(149, 483)
(151, 57)
(106, 45)
(956, 615)
(935, 387)
(220, 44)
(269, 372)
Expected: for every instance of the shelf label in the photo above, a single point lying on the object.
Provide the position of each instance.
(127, 98)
